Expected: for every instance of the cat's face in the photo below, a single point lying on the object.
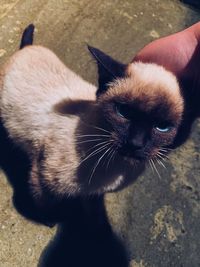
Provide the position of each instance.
(142, 110)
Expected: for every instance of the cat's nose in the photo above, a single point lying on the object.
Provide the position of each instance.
(136, 142)
(135, 145)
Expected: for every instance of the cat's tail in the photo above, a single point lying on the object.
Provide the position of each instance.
(27, 36)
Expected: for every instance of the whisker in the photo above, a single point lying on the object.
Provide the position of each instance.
(104, 142)
(160, 163)
(165, 149)
(114, 155)
(98, 150)
(163, 153)
(111, 155)
(106, 158)
(99, 128)
(156, 169)
(90, 135)
(96, 127)
(93, 171)
(161, 156)
(150, 163)
(87, 141)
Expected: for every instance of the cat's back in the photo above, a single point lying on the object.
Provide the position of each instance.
(32, 82)
(37, 72)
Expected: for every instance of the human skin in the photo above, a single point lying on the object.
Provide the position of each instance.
(179, 53)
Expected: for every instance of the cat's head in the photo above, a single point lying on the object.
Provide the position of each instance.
(142, 107)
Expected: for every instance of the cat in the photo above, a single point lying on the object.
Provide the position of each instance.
(81, 140)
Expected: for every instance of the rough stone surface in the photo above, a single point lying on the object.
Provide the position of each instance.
(157, 218)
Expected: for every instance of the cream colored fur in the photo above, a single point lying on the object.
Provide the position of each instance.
(148, 82)
(33, 83)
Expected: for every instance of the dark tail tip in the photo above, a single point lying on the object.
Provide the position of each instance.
(27, 36)
(93, 50)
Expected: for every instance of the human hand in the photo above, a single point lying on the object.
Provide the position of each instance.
(180, 54)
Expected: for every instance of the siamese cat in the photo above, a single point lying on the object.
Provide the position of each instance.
(82, 140)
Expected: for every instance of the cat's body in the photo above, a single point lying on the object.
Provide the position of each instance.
(78, 145)
(35, 83)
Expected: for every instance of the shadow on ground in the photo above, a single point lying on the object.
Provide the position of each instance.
(86, 239)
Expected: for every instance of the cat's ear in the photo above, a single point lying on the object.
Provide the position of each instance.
(108, 69)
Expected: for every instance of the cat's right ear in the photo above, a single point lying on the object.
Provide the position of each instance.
(27, 36)
(108, 69)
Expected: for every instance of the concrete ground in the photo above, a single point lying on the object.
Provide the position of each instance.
(156, 218)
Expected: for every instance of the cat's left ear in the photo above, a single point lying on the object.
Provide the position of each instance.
(108, 69)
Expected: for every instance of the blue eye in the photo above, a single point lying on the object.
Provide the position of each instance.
(163, 129)
(120, 110)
